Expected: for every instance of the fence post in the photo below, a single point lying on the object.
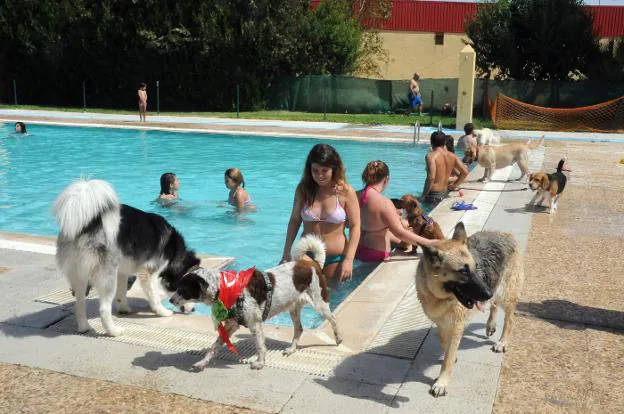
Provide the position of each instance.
(157, 97)
(431, 110)
(418, 123)
(237, 101)
(325, 99)
(15, 92)
(84, 97)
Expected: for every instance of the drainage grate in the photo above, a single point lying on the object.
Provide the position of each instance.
(62, 297)
(304, 360)
(405, 330)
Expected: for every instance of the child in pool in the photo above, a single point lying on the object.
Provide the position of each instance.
(20, 128)
(169, 186)
(238, 197)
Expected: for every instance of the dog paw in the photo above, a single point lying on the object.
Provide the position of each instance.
(84, 329)
(490, 329)
(124, 309)
(499, 347)
(289, 351)
(199, 366)
(115, 331)
(438, 389)
(163, 312)
(257, 365)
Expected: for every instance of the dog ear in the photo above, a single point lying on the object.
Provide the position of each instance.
(460, 232)
(433, 255)
(545, 182)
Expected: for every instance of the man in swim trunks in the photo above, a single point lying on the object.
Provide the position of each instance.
(413, 96)
(440, 165)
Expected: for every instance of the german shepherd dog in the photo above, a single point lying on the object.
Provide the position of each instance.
(456, 275)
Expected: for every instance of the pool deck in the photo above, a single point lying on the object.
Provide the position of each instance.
(568, 336)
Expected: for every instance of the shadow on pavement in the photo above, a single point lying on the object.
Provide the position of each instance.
(566, 314)
(362, 367)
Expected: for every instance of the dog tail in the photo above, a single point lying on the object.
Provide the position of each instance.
(82, 202)
(312, 246)
(534, 146)
(560, 165)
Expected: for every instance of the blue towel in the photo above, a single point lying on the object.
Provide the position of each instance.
(461, 205)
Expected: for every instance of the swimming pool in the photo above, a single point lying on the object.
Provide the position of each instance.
(35, 168)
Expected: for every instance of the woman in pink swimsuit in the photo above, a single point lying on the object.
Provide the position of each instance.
(380, 222)
(324, 203)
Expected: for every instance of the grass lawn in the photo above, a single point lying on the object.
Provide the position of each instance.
(368, 119)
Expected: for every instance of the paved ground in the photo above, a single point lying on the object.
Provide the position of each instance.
(569, 348)
(565, 356)
(33, 390)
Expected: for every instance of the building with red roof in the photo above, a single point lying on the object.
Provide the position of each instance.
(426, 36)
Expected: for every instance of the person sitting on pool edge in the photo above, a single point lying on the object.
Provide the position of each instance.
(325, 202)
(238, 197)
(20, 128)
(169, 186)
(440, 164)
(381, 225)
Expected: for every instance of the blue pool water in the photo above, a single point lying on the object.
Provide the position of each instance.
(35, 168)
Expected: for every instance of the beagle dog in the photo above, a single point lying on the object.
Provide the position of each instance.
(548, 185)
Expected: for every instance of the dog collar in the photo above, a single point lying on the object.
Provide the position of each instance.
(428, 220)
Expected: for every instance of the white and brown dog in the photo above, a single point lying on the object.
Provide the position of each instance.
(493, 158)
(548, 186)
(287, 287)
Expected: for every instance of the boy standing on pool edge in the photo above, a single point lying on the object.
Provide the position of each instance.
(142, 93)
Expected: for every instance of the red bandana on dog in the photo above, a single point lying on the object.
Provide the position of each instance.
(231, 285)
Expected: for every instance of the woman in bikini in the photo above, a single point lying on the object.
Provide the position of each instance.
(381, 225)
(324, 202)
(238, 197)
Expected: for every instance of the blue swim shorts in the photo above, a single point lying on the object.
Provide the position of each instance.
(414, 101)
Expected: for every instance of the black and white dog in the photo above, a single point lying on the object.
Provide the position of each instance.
(287, 287)
(103, 242)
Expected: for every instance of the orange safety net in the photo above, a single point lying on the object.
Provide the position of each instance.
(509, 113)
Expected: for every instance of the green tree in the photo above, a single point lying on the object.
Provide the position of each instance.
(611, 65)
(533, 39)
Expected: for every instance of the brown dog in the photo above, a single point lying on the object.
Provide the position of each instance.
(419, 222)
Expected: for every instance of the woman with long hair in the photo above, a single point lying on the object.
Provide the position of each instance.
(325, 203)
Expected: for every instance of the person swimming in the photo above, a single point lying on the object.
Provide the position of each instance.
(20, 128)
(238, 196)
(169, 186)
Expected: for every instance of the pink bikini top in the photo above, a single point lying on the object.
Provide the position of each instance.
(339, 215)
